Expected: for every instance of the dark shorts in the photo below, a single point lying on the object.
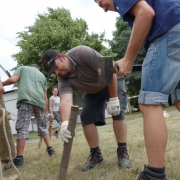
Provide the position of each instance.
(25, 112)
(94, 105)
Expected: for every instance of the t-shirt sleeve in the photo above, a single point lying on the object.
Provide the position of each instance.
(18, 71)
(64, 87)
(51, 98)
(123, 7)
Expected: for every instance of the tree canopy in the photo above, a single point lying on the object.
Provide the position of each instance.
(57, 30)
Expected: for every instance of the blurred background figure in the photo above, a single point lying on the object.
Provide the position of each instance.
(54, 102)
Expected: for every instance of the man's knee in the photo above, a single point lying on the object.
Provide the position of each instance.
(177, 105)
(142, 107)
(149, 108)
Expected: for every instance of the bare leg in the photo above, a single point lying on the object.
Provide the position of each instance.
(155, 134)
(91, 134)
(20, 146)
(177, 105)
(47, 140)
(120, 130)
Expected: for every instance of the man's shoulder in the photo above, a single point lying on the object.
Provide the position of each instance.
(24, 68)
(20, 70)
(31, 70)
(83, 54)
(79, 49)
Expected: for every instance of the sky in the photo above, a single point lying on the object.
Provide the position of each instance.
(18, 14)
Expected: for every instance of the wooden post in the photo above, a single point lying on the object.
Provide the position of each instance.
(3, 145)
(40, 142)
(129, 108)
(68, 146)
(50, 128)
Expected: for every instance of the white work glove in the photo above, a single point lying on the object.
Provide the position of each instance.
(113, 106)
(47, 116)
(165, 114)
(65, 134)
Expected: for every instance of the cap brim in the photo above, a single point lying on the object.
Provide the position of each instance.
(51, 69)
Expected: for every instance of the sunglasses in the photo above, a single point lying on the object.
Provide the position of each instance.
(48, 64)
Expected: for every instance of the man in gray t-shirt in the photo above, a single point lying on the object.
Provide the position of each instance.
(78, 69)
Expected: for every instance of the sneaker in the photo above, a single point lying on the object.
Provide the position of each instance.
(94, 159)
(123, 158)
(51, 151)
(18, 162)
(149, 175)
(56, 134)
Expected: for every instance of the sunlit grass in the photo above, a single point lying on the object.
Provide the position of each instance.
(39, 166)
(129, 116)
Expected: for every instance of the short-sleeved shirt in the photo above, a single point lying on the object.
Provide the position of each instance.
(167, 15)
(85, 61)
(56, 102)
(31, 86)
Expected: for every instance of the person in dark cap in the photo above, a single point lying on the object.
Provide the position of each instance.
(78, 69)
(32, 100)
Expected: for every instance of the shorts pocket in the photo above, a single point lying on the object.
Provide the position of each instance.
(174, 44)
(123, 100)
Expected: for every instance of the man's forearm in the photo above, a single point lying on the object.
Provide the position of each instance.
(135, 44)
(46, 106)
(113, 87)
(7, 82)
(65, 109)
(50, 110)
(13, 79)
(46, 102)
(143, 19)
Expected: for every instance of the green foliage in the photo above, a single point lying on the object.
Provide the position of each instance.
(118, 46)
(55, 30)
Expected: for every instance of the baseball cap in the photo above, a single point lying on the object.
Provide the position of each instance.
(48, 61)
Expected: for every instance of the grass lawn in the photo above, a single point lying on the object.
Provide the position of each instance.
(134, 115)
(39, 166)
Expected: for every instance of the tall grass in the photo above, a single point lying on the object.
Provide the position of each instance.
(39, 166)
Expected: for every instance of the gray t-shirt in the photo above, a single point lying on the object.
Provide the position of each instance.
(56, 102)
(85, 61)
